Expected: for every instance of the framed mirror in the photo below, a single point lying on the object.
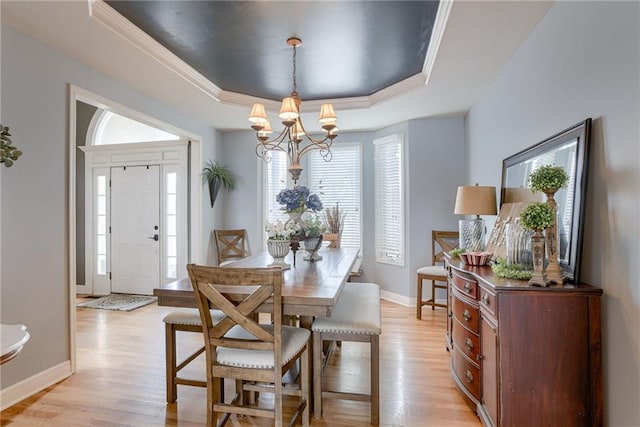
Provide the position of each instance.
(569, 149)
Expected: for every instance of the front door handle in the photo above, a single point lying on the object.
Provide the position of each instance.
(155, 237)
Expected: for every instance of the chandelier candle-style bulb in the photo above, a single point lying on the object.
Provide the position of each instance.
(263, 134)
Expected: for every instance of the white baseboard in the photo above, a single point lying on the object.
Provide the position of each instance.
(401, 299)
(15, 393)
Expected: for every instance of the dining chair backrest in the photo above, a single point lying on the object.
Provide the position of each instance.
(441, 242)
(238, 293)
(230, 244)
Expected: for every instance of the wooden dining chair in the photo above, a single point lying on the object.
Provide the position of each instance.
(441, 242)
(240, 348)
(231, 245)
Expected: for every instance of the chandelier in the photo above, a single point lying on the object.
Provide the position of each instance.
(294, 139)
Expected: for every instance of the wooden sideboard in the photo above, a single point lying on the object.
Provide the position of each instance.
(524, 355)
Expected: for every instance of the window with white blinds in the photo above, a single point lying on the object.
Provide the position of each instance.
(340, 181)
(389, 199)
(275, 179)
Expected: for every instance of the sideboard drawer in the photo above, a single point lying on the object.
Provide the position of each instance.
(465, 285)
(468, 374)
(488, 302)
(466, 341)
(466, 314)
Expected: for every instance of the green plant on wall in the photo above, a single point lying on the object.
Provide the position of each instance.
(537, 216)
(548, 177)
(217, 175)
(9, 153)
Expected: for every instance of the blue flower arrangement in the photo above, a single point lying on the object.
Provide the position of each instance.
(299, 199)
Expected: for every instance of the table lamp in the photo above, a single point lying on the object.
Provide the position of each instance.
(474, 200)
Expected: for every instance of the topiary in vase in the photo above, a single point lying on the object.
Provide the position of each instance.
(548, 177)
(537, 217)
(217, 176)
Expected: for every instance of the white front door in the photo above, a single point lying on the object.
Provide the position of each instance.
(135, 222)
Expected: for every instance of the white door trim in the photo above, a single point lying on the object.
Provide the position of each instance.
(195, 195)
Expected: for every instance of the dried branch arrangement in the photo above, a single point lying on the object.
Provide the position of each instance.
(334, 217)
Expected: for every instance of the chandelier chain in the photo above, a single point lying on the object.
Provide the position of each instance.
(295, 85)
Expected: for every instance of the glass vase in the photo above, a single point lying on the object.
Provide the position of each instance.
(518, 241)
(279, 249)
(312, 245)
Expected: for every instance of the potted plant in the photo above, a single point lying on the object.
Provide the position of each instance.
(334, 220)
(548, 177)
(217, 175)
(9, 153)
(313, 228)
(537, 217)
(279, 240)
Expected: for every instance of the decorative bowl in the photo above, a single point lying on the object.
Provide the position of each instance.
(476, 258)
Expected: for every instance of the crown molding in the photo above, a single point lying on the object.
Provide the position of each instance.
(110, 18)
(442, 16)
(107, 16)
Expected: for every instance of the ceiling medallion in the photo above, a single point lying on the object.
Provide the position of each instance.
(294, 139)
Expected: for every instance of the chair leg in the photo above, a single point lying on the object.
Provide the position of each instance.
(170, 361)
(213, 397)
(375, 379)
(433, 295)
(305, 378)
(419, 298)
(317, 374)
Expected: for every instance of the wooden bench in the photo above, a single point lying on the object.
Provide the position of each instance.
(356, 317)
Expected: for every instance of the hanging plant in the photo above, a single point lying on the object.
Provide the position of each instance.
(217, 176)
(9, 153)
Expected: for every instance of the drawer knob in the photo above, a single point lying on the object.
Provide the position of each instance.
(468, 343)
(466, 315)
(485, 299)
(469, 376)
(467, 287)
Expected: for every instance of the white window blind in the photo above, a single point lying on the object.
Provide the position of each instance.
(275, 179)
(340, 181)
(389, 200)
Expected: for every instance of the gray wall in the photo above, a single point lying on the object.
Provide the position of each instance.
(433, 148)
(35, 269)
(582, 61)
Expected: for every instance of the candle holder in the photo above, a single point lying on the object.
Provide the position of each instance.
(539, 277)
(554, 271)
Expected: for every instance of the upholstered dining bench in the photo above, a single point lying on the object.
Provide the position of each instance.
(186, 320)
(356, 317)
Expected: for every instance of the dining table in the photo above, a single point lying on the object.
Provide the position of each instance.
(310, 288)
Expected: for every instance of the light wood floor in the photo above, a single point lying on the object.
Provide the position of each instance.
(120, 377)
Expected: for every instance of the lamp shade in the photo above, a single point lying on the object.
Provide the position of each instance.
(266, 130)
(327, 114)
(476, 200)
(288, 109)
(258, 114)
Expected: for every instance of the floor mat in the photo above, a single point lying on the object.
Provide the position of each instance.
(122, 302)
